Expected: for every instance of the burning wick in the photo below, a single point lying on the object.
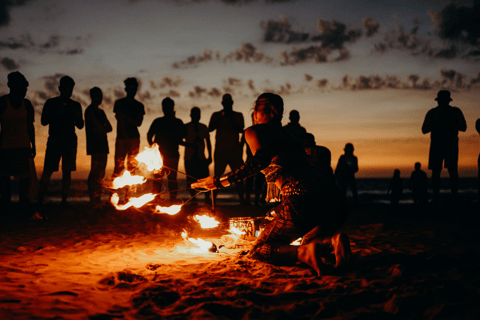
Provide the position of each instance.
(135, 202)
(172, 210)
(206, 222)
(297, 242)
(126, 179)
(151, 158)
(202, 244)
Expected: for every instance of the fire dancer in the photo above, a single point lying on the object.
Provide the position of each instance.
(17, 138)
(444, 122)
(62, 115)
(311, 206)
(168, 133)
(129, 114)
(228, 150)
(196, 165)
(96, 128)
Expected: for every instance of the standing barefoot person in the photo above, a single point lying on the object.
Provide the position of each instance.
(311, 205)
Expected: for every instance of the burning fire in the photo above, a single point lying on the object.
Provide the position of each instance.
(172, 210)
(151, 158)
(296, 242)
(135, 202)
(126, 179)
(206, 222)
(205, 246)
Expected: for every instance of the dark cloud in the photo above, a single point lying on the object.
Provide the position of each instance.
(458, 23)
(51, 83)
(145, 96)
(118, 93)
(197, 92)
(280, 31)
(322, 83)
(171, 93)
(214, 92)
(414, 79)
(371, 25)
(308, 77)
(9, 64)
(6, 6)
(248, 53)
(194, 61)
(171, 82)
(251, 85)
(55, 44)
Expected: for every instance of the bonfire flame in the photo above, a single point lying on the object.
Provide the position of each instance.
(235, 232)
(135, 202)
(202, 244)
(151, 158)
(126, 179)
(172, 210)
(206, 222)
(296, 242)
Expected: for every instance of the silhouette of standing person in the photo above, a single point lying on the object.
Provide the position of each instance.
(419, 182)
(168, 132)
(395, 189)
(347, 166)
(61, 114)
(444, 122)
(129, 114)
(228, 150)
(96, 128)
(294, 126)
(17, 139)
(477, 127)
(319, 157)
(197, 137)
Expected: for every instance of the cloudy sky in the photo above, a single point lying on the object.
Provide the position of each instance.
(363, 71)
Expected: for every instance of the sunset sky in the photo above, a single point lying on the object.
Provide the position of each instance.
(363, 71)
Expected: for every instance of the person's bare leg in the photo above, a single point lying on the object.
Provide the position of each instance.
(342, 250)
(44, 182)
(436, 184)
(66, 181)
(311, 254)
(453, 172)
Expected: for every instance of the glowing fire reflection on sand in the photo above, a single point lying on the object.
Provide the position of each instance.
(203, 246)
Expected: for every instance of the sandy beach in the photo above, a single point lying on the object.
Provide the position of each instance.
(410, 262)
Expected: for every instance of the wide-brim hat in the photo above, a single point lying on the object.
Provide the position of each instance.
(443, 95)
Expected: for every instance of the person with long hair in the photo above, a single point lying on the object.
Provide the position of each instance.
(311, 206)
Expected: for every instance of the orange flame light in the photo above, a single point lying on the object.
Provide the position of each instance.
(206, 222)
(126, 179)
(202, 244)
(172, 210)
(296, 242)
(151, 158)
(135, 202)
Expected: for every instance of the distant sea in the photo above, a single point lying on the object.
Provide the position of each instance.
(369, 191)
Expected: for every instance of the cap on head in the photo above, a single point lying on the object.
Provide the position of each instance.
(443, 95)
(67, 81)
(16, 78)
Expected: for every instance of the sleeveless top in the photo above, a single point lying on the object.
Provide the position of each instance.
(14, 127)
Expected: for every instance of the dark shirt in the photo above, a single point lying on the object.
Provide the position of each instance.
(320, 158)
(228, 129)
(62, 115)
(95, 123)
(133, 111)
(28, 106)
(419, 181)
(168, 134)
(296, 129)
(444, 124)
(347, 166)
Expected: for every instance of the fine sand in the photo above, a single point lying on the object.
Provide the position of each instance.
(410, 262)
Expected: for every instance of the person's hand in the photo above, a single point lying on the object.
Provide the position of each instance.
(206, 183)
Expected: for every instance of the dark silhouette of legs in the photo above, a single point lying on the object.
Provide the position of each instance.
(66, 181)
(453, 172)
(96, 175)
(436, 184)
(44, 182)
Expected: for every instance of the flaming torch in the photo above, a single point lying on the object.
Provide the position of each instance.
(151, 158)
(204, 246)
(206, 222)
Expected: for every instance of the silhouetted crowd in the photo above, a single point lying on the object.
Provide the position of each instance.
(62, 115)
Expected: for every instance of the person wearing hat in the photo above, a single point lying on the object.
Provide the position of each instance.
(443, 123)
(228, 125)
(17, 139)
(61, 114)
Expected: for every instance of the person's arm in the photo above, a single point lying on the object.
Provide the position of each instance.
(355, 164)
(260, 160)
(427, 123)
(214, 121)
(98, 126)
(182, 132)
(461, 123)
(151, 132)
(31, 126)
(78, 116)
(107, 125)
(209, 147)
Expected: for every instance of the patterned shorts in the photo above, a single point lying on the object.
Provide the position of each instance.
(15, 162)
